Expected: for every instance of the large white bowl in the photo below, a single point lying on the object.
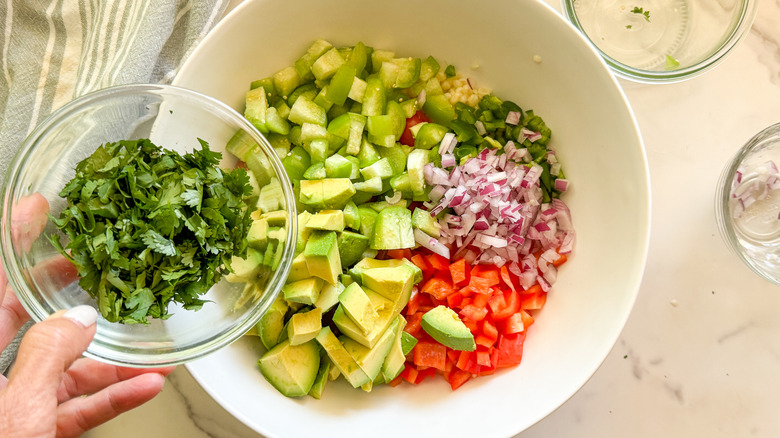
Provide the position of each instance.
(527, 53)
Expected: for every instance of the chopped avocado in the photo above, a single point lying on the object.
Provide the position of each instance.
(393, 229)
(341, 358)
(351, 247)
(257, 237)
(298, 270)
(408, 342)
(370, 263)
(246, 269)
(332, 220)
(371, 359)
(303, 291)
(347, 326)
(291, 369)
(322, 255)
(444, 325)
(358, 307)
(275, 218)
(328, 193)
(272, 323)
(303, 232)
(329, 296)
(304, 326)
(423, 221)
(395, 283)
(322, 378)
(394, 362)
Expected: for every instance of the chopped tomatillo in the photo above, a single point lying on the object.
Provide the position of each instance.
(147, 226)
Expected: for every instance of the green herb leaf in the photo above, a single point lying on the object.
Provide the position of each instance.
(147, 226)
(641, 11)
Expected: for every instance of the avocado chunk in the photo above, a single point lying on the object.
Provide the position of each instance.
(351, 247)
(298, 270)
(408, 342)
(318, 386)
(246, 269)
(303, 231)
(341, 358)
(257, 237)
(275, 218)
(326, 193)
(356, 272)
(304, 326)
(272, 323)
(394, 283)
(384, 307)
(371, 359)
(305, 291)
(322, 255)
(358, 307)
(329, 296)
(291, 369)
(444, 325)
(332, 220)
(393, 229)
(395, 360)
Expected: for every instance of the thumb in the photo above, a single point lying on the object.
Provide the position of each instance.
(50, 347)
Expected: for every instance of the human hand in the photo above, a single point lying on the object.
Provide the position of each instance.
(51, 391)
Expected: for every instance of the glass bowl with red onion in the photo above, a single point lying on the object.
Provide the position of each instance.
(747, 203)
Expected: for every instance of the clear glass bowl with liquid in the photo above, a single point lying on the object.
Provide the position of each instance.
(747, 203)
(662, 41)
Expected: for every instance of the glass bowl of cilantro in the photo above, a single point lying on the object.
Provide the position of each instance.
(132, 199)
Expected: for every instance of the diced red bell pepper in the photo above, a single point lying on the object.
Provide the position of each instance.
(438, 262)
(511, 307)
(473, 312)
(430, 354)
(459, 272)
(510, 349)
(458, 378)
(514, 324)
(438, 288)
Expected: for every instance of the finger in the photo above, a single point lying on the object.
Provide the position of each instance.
(12, 317)
(87, 376)
(76, 416)
(49, 348)
(28, 220)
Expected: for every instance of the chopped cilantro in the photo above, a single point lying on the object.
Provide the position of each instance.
(671, 63)
(147, 226)
(641, 11)
(628, 26)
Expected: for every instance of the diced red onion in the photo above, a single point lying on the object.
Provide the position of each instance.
(513, 117)
(448, 160)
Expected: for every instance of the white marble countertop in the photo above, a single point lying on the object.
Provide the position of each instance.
(700, 353)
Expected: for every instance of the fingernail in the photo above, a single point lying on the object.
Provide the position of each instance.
(84, 315)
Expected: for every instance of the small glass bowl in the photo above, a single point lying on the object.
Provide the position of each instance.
(661, 41)
(171, 117)
(747, 203)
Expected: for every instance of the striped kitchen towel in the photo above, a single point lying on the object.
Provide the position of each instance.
(52, 51)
